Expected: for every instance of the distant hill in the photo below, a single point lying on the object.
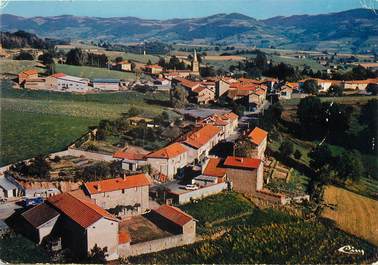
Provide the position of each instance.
(22, 39)
(353, 30)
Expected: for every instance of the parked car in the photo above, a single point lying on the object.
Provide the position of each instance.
(32, 201)
(191, 187)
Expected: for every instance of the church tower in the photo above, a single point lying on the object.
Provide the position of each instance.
(195, 64)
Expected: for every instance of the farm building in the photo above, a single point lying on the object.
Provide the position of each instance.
(106, 84)
(35, 83)
(28, 74)
(75, 221)
(70, 83)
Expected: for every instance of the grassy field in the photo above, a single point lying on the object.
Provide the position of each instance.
(26, 134)
(92, 72)
(36, 122)
(354, 213)
(253, 235)
(8, 66)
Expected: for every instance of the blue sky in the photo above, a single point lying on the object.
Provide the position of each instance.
(164, 9)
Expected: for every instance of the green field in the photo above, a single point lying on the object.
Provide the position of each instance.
(260, 236)
(39, 122)
(26, 134)
(8, 66)
(92, 72)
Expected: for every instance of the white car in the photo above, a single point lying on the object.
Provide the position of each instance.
(191, 187)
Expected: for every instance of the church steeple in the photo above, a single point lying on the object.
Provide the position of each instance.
(195, 64)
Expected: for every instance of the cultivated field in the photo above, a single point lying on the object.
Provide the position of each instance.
(252, 235)
(224, 58)
(353, 213)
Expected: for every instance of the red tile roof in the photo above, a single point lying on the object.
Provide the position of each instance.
(82, 211)
(170, 151)
(123, 237)
(57, 75)
(173, 214)
(231, 116)
(202, 136)
(113, 184)
(29, 72)
(242, 162)
(213, 169)
(258, 135)
(129, 155)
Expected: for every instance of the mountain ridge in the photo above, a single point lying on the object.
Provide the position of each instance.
(353, 30)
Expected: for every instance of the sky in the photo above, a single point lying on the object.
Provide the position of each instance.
(166, 9)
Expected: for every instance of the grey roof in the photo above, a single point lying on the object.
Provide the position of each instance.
(6, 184)
(40, 214)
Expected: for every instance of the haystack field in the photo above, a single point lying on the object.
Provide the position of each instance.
(352, 213)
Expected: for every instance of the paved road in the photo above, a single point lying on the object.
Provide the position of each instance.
(7, 209)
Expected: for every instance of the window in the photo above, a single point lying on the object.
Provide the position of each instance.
(123, 191)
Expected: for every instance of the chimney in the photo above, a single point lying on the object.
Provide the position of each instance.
(124, 176)
(98, 187)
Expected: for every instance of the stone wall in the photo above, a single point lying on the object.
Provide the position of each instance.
(200, 193)
(155, 245)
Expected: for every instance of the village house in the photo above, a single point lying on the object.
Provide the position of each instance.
(153, 69)
(359, 84)
(125, 66)
(200, 142)
(26, 75)
(202, 95)
(227, 122)
(106, 84)
(126, 191)
(169, 160)
(76, 222)
(52, 81)
(259, 138)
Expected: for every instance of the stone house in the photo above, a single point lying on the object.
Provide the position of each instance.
(169, 159)
(74, 220)
(259, 138)
(127, 191)
(202, 95)
(200, 142)
(245, 174)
